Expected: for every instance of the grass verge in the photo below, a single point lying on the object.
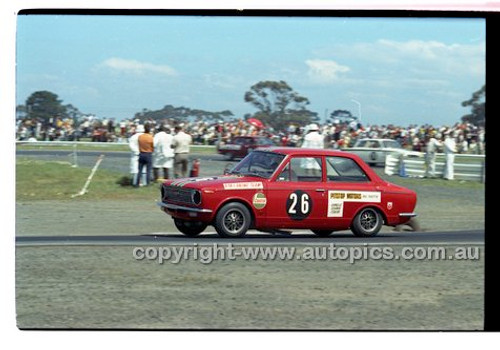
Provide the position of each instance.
(49, 180)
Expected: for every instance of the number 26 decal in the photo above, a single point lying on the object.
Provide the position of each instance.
(298, 205)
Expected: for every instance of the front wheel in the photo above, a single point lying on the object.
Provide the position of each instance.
(232, 220)
(367, 223)
(190, 228)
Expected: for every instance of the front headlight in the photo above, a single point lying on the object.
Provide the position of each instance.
(196, 197)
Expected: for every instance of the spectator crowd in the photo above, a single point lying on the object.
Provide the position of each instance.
(469, 139)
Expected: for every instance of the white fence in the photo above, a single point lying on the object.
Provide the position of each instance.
(470, 167)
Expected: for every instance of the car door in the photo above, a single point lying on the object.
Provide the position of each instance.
(348, 189)
(298, 196)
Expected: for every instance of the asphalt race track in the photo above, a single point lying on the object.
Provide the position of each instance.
(257, 238)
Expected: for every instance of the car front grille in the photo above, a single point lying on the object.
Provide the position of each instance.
(178, 194)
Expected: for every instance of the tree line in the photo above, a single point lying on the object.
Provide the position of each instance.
(277, 104)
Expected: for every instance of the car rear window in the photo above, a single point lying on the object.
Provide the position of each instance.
(345, 170)
(243, 141)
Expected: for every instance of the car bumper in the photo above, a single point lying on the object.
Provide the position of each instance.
(186, 213)
(175, 207)
(407, 215)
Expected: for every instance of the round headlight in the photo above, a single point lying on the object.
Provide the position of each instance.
(196, 197)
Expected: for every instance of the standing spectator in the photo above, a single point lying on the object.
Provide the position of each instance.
(449, 151)
(473, 147)
(163, 155)
(462, 144)
(430, 155)
(146, 147)
(133, 144)
(416, 144)
(180, 144)
(313, 139)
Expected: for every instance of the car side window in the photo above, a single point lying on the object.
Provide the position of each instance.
(391, 144)
(344, 169)
(302, 169)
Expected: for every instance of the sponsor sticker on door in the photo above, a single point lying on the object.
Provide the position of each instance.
(336, 200)
(259, 200)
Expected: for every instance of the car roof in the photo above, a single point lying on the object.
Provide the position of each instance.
(307, 151)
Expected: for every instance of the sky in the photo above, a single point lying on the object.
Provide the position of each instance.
(385, 70)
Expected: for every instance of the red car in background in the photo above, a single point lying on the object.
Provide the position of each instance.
(240, 146)
(289, 188)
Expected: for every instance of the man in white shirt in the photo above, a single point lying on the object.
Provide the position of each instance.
(133, 144)
(163, 154)
(313, 139)
(449, 152)
(180, 144)
(430, 156)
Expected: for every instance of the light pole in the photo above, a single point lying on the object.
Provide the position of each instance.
(359, 108)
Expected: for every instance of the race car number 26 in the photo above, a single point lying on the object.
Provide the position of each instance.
(298, 205)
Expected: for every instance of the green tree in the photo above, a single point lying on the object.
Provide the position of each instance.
(44, 104)
(182, 113)
(477, 116)
(279, 105)
(343, 116)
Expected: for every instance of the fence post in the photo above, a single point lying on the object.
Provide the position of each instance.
(75, 156)
(483, 171)
(402, 169)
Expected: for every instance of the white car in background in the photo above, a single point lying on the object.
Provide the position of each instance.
(374, 151)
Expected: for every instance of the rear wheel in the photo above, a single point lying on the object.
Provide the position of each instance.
(232, 220)
(190, 228)
(367, 223)
(322, 233)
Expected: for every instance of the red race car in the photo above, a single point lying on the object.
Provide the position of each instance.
(240, 146)
(289, 188)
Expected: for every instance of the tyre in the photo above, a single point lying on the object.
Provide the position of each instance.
(190, 228)
(367, 223)
(232, 220)
(322, 233)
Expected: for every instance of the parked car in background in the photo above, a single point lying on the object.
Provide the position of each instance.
(240, 146)
(275, 189)
(374, 151)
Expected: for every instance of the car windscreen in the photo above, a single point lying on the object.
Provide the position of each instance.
(258, 163)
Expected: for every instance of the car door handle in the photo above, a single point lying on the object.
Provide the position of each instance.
(320, 190)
